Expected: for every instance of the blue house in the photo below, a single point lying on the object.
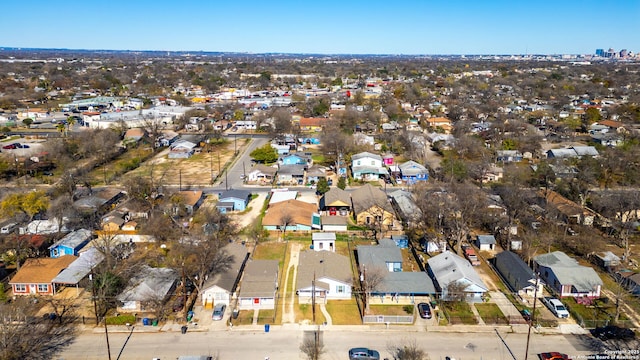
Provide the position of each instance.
(233, 200)
(412, 172)
(309, 140)
(71, 243)
(295, 159)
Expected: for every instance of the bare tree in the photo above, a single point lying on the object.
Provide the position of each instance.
(456, 291)
(23, 335)
(286, 219)
(407, 350)
(312, 346)
(370, 280)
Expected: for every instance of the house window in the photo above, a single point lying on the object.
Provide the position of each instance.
(358, 163)
(20, 287)
(367, 220)
(320, 245)
(378, 218)
(43, 288)
(56, 252)
(340, 289)
(373, 163)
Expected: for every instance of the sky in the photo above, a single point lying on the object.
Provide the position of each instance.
(326, 26)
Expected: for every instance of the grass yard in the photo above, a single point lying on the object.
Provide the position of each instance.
(389, 309)
(266, 317)
(304, 313)
(458, 312)
(245, 317)
(270, 250)
(491, 313)
(344, 312)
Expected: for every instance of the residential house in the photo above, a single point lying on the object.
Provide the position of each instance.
(182, 149)
(508, 156)
(517, 274)
(99, 201)
(453, 273)
(412, 172)
(372, 208)
(315, 173)
(114, 220)
(485, 242)
(313, 124)
(71, 243)
(79, 268)
(440, 122)
(189, 200)
(295, 215)
(291, 174)
(569, 211)
(566, 277)
(405, 206)
(259, 285)
(572, 152)
(133, 135)
(309, 140)
(335, 202)
(396, 286)
(608, 139)
(333, 223)
(262, 173)
(325, 272)
(35, 276)
(233, 200)
(492, 174)
(149, 287)
(367, 166)
(607, 260)
(630, 280)
(221, 288)
(323, 241)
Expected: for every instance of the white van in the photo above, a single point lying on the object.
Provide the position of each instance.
(8, 228)
(556, 307)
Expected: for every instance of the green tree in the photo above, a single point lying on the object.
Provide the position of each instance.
(591, 115)
(265, 154)
(509, 144)
(342, 183)
(323, 186)
(27, 122)
(70, 121)
(29, 203)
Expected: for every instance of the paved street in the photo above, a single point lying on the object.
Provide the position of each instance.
(282, 342)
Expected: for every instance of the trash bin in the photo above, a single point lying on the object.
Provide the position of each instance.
(235, 313)
(183, 329)
(145, 321)
(154, 322)
(266, 327)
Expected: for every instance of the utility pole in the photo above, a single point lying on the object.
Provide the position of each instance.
(180, 180)
(313, 298)
(533, 315)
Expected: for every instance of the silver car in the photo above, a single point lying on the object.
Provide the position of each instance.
(218, 312)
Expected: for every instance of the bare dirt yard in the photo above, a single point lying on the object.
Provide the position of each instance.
(198, 170)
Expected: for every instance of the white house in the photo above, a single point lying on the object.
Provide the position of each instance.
(221, 288)
(323, 241)
(326, 273)
(448, 268)
(367, 166)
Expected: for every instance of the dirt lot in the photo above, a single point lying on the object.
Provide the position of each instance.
(198, 170)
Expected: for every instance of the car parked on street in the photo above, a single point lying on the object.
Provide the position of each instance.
(10, 146)
(362, 353)
(218, 312)
(424, 310)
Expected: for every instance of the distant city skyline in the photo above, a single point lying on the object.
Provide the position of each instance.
(326, 27)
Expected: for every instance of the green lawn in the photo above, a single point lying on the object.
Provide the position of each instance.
(388, 309)
(344, 312)
(491, 313)
(458, 312)
(245, 317)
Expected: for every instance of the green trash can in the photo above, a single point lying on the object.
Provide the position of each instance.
(154, 322)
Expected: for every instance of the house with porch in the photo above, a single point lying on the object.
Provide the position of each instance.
(295, 159)
(517, 274)
(566, 277)
(367, 166)
(294, 215)
(395, 286)
(182, 149)
(35, 276)
(221, 288)
(291, 174)
(412, 172)
(189, 201)
(259, 285)
(372, 208)
(326, 273)
(454, 274)
(262, 174)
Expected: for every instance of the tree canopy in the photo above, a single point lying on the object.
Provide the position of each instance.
(265, 154)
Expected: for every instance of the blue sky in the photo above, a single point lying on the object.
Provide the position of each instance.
(329, 26)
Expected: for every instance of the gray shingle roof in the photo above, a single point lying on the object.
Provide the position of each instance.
(227, 280)
(449, 267)
(367, 196)
(325, 265)
(486, 239)
(259, 280)
(366, 154)
(150, 283)
(334, 195)
(74, 239)
(514, 270)
(569, 272)
(416, 283)
(377, 256)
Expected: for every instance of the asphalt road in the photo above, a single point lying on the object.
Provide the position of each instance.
(283, 343)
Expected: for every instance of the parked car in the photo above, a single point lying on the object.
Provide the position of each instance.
(613, 332)
(10, 146)
(21, 146)
(424, 310)
(364, 354)
(553, 356)
(556, 307)
(218, 312)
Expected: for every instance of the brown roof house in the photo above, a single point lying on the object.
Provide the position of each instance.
(188, 200)
(36, 276)
(295, 215)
